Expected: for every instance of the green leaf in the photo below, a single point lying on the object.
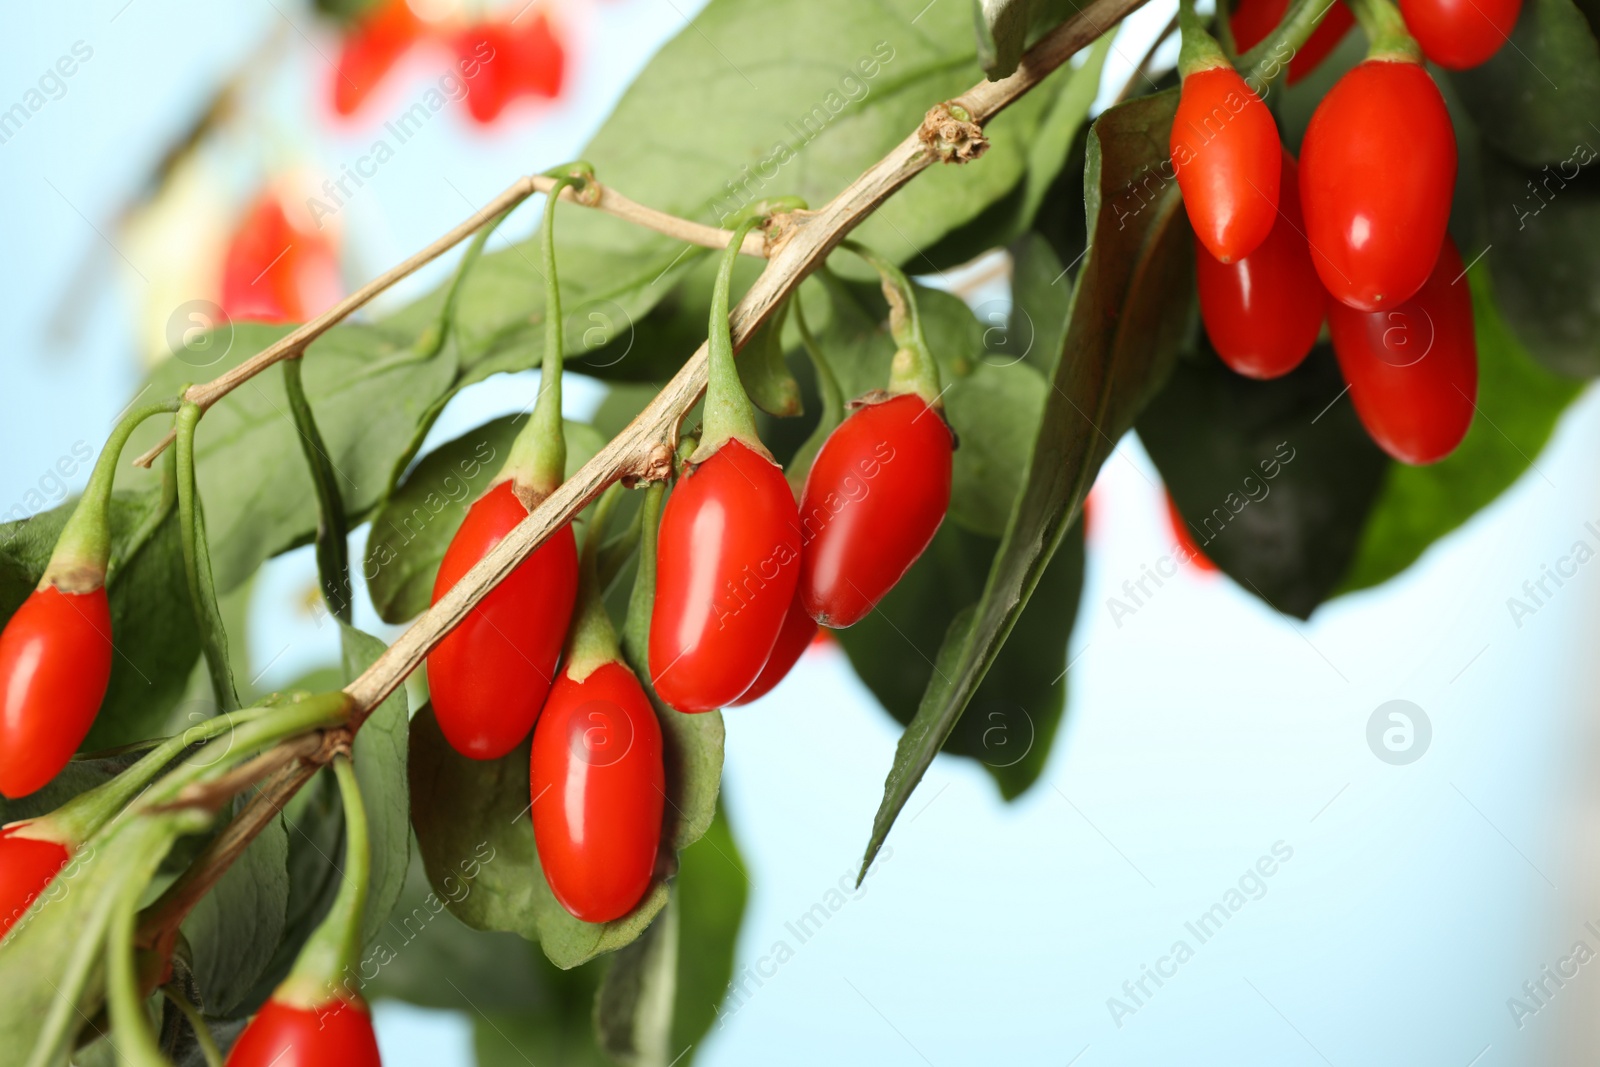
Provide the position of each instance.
(1129, 314)
(1017, 708)
(1544, 256)
(152, 623)
(710, 896)
(1535, 98)
(1275, 479)
(415, 525)
(1518, 405)
(633, 1007)
(379, 758)
(474, 830)
(257, 492)
(234, 931)
(1002, 34)
(1041, 293)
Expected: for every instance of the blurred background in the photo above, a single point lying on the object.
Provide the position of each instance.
(1418, 879)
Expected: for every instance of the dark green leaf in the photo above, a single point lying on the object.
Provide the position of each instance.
(764, 373)
(1130, 312)
(152, 622)
(1536, 97)
(1544, 256)
(633, 1007)
(234, 931)
(1002, 34)
(379, 758)
(1275, 479)
(411, 531)
(1518, 405)
(710, 897)
(1015, 712)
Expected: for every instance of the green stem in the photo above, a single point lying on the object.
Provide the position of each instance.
(197, 565)
(832, 405)
(537, 462)
(728, 413)
(333, 539)
(84, 815)
(1268, 60)
(130, 1020)
(335, 946)
(432, 339)
(83, 550)
(641, 602)
(913, 369)
(592, 640)
(197, 1022)
(1387, 36)
(1199, 50)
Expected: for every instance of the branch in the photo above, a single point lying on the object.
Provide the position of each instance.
(295, 342)
(798, 245)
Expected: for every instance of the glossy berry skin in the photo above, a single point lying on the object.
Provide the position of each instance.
(1253, 20)
(55, 662)
(799, 630)
(1263, 313)
(1413, 370)
(489, 677)
(1377, 170)
(598, 787)
(1460, 34)
(370, 50)
(727, 559)
(1225, 152)
(876, 494)
(27, 866)
(337, 1034)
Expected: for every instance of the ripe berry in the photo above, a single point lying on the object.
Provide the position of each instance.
(370, 50)
(338, 1032)
(540, 59)
(55, 662)
(1253, 20)
(27, 866)
(727, 562)
(875, 497)
(799, 630)
(1413, 370)
(1377, 168)
(1225, 152)
(489, 677)
(274, 271)
(488, 51)
(1460, 34)
(598, 787)
(1263, 313)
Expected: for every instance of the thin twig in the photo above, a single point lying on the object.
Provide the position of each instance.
(295, 342)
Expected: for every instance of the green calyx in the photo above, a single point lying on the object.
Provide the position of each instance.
(538, 459)
(334, 947)
(1199, 50)
(1387, 36)
(729, 415)
(913, 370)
(82, 552)
(592, 640)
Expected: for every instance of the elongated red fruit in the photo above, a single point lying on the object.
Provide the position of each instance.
(489, 677)
(55, 663)
(799, 630)
(1252, 20)
(27, 867)
(1263, 313)
(1188, 551)
(336, 1034)
(1225, 152)
(489, 49)
(875, 497)
(1460, 34)
(370, 50)
(599, 787)
(541, 61)
(726, 566)
(1377, 170)
(1413, 370)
